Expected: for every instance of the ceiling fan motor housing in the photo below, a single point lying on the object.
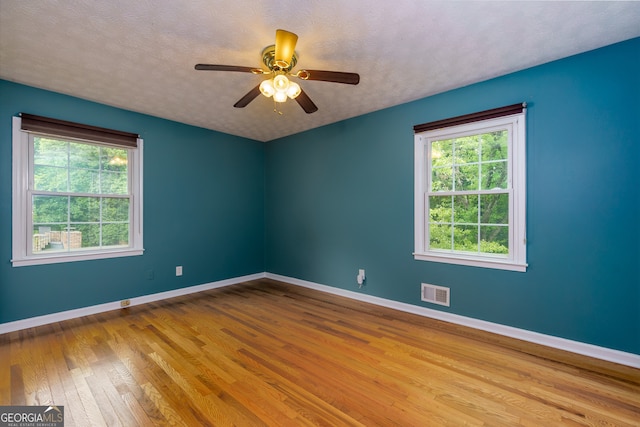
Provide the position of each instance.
(269, 59)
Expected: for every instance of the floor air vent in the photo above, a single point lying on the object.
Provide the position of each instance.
(435, 294)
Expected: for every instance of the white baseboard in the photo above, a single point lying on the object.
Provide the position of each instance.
(101, 308)
(616, 356)
(603, 353)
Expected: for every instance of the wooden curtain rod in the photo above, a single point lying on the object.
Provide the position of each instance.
(473, 117)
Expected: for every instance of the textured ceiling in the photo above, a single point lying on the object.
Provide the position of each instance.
(139, 54)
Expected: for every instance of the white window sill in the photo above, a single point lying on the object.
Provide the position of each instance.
(497, 263)
(71, 257)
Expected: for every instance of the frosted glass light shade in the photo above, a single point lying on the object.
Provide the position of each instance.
(280, 96)
(293, 90)
(267, 89)
(281, 83)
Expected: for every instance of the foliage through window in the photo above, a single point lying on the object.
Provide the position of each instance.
(79, 202)
(470, 194)
(80, 195)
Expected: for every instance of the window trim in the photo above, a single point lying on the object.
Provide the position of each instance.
(21, 164)
(516, 261)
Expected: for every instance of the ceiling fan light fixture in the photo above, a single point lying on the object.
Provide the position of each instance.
(280, 88)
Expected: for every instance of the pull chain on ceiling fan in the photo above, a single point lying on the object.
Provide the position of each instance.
(280, 60)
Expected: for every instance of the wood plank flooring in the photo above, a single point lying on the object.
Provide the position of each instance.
(269, 353)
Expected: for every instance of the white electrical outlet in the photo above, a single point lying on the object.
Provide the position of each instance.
(179, 270)
(360, 278)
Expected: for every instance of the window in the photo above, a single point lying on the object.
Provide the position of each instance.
(470, 190)
(77, 192)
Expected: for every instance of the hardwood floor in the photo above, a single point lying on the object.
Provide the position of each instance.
(269, 353)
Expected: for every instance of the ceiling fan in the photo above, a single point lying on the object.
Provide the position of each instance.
(280, 60)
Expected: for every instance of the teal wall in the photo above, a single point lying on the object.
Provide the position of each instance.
(340, 198)
(203, 209)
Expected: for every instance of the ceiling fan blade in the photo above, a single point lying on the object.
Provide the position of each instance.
(217, 67)
(306, 103)
(285, 48)
(329, 76)
(250, 96)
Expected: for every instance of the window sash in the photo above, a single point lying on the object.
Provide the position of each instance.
(69, 223)
(448, 135)
(477, 224)
(70, 167)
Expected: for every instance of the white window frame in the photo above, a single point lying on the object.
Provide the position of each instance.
(21, 207)
(517, 257)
